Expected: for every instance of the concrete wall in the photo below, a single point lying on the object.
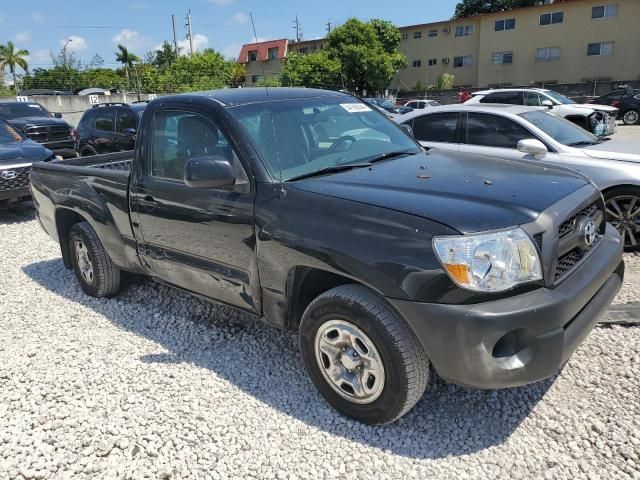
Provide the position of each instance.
(73, 106)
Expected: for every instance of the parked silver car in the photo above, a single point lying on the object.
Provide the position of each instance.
(536, 134)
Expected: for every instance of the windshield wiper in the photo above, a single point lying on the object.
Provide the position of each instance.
(388, 155)
(584, 143)
(350, 166)
(331, 169)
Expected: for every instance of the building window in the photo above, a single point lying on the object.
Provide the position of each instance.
(602, 48)
(501, 58)
(256, 78)
(405, 35)
(433, 33)
(417, 34)
(464, 30)
(547, 54)
(605, 11)
(508, 24)
(303, 50)
(417, 63)
(464, 61)
(273, 53)
(551, 18)
(433, 62)
(253, 55)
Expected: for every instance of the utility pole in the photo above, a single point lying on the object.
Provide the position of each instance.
(189, 31)
(175, 38)
(297, 29)
(329, 25)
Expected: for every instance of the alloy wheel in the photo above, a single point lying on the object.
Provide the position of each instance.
(84, 263)
(631, 117)
(623, 212)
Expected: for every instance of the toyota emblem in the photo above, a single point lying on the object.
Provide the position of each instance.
(589, 233)
(9, 174)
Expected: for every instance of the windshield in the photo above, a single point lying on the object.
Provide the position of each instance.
(22, 109)
(302, 136)
(561, 130)
(8, 134)
(559, 98)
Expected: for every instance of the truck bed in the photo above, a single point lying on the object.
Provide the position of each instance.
(97, 189)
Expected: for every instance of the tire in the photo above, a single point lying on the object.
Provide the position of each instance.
(88, 152)
(96, 273)
(404, 372)
(631, 117)
(622, 206)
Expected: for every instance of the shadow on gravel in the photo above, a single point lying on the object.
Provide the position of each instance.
(18, 213)
(264, 363)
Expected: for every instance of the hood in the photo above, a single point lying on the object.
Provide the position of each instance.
(469, 193)
(24, 122)
(615, 150)
(23, 152)
(595, 107)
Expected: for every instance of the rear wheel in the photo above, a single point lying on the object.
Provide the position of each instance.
(623, 212)
(631, 117)
(97, 274)
(363, 358)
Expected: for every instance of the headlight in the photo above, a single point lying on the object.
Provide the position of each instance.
(489, 262)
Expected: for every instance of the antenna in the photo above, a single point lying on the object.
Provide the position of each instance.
(282, 192)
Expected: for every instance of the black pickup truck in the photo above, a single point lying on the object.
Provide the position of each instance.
(314, 212)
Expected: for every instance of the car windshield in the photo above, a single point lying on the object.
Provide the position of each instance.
(8, 134)
(303, 136)
(561, 130)
(559, 98)
(23, 109)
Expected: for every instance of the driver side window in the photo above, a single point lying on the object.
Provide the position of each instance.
(181, 136)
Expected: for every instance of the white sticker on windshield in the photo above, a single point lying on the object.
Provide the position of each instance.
(355, 107)
(33, 106)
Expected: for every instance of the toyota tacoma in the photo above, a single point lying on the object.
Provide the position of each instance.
(312, 211)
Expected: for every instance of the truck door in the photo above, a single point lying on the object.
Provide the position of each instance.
(200, 239)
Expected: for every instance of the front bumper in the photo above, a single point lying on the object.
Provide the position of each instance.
(520, 339)
(15, 194)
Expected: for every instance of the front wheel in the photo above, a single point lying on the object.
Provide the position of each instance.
(363, 358)
(97, 274)
(631, 117)
(623, 212)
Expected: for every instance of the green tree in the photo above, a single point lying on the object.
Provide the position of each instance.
(164, 56)
(368, 53)
(12, 58)
(418, 87)
(126, 58)
(444, 81)
(269, 81)
(102, 78)
(316, 70)
(468, 8)
(237, 73)
(58, 77)
(203, 71)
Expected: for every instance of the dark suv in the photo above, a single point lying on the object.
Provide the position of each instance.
(627, 100)
(39, 124)
(108, 128)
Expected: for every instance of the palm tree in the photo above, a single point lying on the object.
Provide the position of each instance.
(165, 55)
(12, 58)
(126, 58)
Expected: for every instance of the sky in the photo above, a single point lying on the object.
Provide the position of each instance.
(43, 26)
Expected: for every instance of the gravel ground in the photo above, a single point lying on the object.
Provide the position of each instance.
(156, 384)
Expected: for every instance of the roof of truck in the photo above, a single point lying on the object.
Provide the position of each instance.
(240, 96)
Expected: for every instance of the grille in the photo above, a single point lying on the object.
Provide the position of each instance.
(21, 179)
(567, 226)
(567, 261)
(48, 134)
(537, 238)
(573, 247)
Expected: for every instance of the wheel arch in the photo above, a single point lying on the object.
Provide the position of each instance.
(66, 218)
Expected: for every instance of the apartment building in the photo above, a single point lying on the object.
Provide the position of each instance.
(552, 42)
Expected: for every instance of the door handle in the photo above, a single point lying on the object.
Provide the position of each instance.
(148, 203)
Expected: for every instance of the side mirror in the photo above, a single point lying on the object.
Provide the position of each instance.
(532, 146)
(209, 172)
(407, 128)
(547, 103)
(129, 131)
(57, 115)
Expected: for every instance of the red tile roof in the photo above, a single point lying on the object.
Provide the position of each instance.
(263, 50)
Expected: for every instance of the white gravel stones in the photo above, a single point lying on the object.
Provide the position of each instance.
(156, 384)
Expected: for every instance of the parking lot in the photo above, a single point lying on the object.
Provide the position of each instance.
(157, 384)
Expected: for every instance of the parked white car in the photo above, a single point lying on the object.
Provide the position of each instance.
(598, 119)
(537, 135)
(419, 104)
